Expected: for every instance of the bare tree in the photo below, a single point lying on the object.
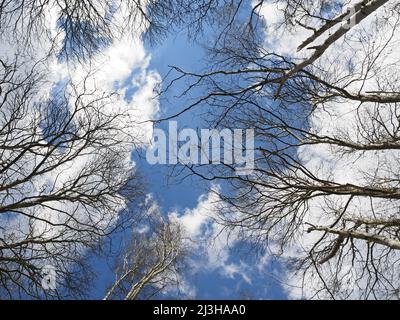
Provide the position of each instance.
(325, 181)
(78, 29)
(65, 170)
(62, 171)
(152, 261)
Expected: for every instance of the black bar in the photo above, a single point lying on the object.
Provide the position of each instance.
(234, 310)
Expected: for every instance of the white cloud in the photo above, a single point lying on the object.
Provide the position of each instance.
(212, 242)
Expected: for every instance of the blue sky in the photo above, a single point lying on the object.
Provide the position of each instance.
(179, 195)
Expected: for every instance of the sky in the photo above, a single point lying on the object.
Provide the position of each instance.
(223, 270)
(221, 266)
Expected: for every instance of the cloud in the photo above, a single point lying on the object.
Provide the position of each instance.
(212, 242)
(197, 220)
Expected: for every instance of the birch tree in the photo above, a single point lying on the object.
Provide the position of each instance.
(152, 262)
